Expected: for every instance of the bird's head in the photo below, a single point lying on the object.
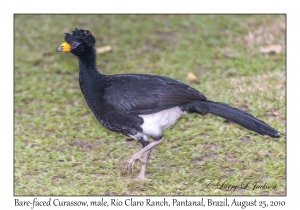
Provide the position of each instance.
(77, 42)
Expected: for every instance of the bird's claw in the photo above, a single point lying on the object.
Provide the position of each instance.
(130, 164)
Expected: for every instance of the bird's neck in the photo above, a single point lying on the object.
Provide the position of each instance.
(89, 77)
(87, 63)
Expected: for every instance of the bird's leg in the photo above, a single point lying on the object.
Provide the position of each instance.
(141, 175)
(137, 155)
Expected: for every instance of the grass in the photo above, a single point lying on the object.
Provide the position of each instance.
(60, 149)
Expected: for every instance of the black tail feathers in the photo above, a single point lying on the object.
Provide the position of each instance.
(234, 115)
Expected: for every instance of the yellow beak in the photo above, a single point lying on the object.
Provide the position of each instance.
(64, 47)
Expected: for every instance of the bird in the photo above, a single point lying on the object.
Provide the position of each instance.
(142, 106)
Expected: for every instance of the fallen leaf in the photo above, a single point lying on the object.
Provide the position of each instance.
(104, 49)
(246, 140)
(265, 153)
(192, 78)
(273, 48)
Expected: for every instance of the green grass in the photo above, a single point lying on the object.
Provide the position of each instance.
(60, 149)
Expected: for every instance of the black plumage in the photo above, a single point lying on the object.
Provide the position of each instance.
(141, 105)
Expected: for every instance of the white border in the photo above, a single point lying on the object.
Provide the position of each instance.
(154, 6)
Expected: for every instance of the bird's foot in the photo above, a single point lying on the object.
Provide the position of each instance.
(142, 178)
(143, 152)
(131, 162)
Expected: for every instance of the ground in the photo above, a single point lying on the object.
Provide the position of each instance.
(60, 149)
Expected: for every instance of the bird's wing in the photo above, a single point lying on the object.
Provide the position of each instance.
(133, 94)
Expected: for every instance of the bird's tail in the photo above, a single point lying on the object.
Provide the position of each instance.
(234, 115)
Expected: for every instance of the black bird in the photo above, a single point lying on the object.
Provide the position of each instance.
(141, 105)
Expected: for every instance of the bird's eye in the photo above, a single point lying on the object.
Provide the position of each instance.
(73, 44)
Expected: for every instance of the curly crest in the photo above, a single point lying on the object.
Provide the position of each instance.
(82, 35)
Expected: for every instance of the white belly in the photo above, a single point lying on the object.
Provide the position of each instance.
(155, 123)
